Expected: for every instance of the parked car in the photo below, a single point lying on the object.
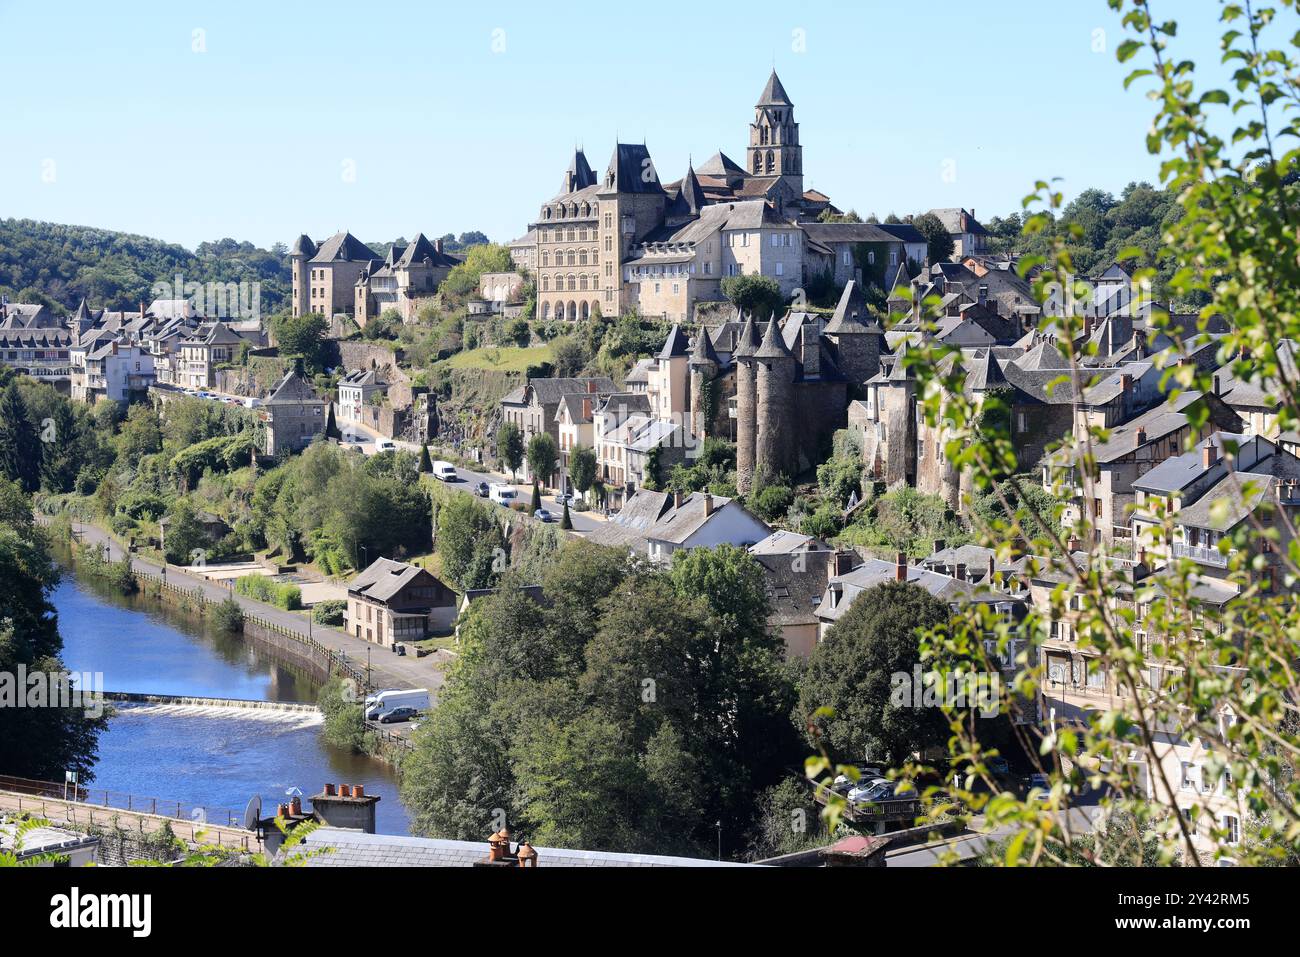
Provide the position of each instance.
(542, 515)
(565, 499)
(385, 445)
(502, 494)
(482, 490)
(866, 789)
(398, 715)
(445, 472)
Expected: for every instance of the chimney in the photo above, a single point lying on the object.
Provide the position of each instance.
(1126, 383)
(1217, 387)
(349, 808)
(1073, 544)
(1209, 454)
(811, 349)
(961, 572)
(939, 544)
(989, 580)
(1141, 438)
(708, 504)
(677, 499)
(437, 245)
(900, 567)
(591, 386)
(844, 562)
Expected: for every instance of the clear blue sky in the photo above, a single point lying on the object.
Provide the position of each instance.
(452, 126)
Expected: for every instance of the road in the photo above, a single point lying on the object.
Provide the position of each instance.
(387, 669)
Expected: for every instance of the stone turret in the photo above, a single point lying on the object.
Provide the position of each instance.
(746, 404)
(301, 252)
(704, 365)
(774, 371)
(856, 342)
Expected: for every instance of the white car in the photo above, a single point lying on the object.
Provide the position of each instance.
(385, 445)
(870, 789)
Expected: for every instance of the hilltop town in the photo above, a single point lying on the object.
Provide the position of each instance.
(690, 432)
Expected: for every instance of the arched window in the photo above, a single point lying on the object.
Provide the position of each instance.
(586, 310)
(573, 282)
(771, 161)
(560, 210)
(546, 310)
(573, 309)
(546, 284)
(582, 282)
(546, 258)
(572, 258)
(570, 234)
(547, 212)
(582, 257)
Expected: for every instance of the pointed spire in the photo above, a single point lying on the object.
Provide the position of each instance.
(774, 93)
(773, 345)
(851, 306)
(83, 312)
(747, 341)
(692, 194)
(702, 350)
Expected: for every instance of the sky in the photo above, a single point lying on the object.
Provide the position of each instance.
(193, 121)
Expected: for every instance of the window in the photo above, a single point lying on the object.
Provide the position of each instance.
(1232, 829)
(1189, 776)
(848, 257)
(780, 269)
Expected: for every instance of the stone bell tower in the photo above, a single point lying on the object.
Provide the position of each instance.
(774, 148)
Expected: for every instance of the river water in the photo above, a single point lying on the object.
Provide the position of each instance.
(213, 758)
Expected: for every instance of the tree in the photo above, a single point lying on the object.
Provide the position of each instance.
(566, 522)
(141, 433)
(300, 336)
(332, 425)
(20, 448)
(543, 456)
(938, 241)
(60, 458)
(426, 466)
(759, 295)
(469, 543)
(184, 534)
(568, 356)
(582, 468)
(510, 447)
(536, 502)
(853, 671)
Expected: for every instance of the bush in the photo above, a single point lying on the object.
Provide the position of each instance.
(228, 616)
(772, 501)
(329, 612)
(261, 588)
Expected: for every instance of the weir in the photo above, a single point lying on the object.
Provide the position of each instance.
(191, 701)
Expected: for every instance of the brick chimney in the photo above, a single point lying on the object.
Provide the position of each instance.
(1141, 437)
(989, 581)
(1126, 382)
(708, 504)
(437, 245)
(961, 572)
(843, 563)
(900, 567)
(677, 499)
(1209, 453)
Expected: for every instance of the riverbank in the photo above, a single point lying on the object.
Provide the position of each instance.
(205, 756)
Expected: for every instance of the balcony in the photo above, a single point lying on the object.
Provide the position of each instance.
(1201, 554)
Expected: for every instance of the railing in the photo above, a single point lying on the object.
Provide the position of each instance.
(1201, 553)
(121, 801)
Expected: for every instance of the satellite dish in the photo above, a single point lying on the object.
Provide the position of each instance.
(253, 813)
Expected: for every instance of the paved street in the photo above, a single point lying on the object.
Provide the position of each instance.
(387, 669)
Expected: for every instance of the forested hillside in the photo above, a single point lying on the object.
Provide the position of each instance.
(58, 265)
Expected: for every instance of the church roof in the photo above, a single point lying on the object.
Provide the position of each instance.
(774, 93)
(720, 165)
(773, 345)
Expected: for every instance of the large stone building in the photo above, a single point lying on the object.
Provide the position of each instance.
(294, 415)
(325, 276)
(409, 274)
(626, 240)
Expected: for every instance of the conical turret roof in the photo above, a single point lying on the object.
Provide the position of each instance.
(702, 350)
(747, 341)
(845, 321)
(774, 93)
(773, 345)
(676, 344)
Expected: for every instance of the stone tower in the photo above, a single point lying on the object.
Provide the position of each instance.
(631, 203)
(774, 148)
(746, 404)
(302, 251)
(704, 373)
(857, 342)
(774, 413)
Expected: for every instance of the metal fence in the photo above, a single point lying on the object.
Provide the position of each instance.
(121, 801)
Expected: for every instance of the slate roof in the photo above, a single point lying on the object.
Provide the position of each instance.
(702, 348)
(550, 391)
(1176, 473)
(957, 220)
(579, 175)
(722, 166)
(676, 345)
(747, 343)
(343, 247)
(876, 571)
(384, 579)
(629, 166)
(349, 848)
(682, 522)
(292, 389)
(782, 542)
(795, 592)
(773, 345)
(421, 249)
(852, 304)
(773, 93)
(303, 246)
(1157, 423)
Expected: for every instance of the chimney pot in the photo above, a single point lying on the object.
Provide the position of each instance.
(358, 790)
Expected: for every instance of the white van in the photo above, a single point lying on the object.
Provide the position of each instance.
(378, 705)
(444, 471)
(503, 494)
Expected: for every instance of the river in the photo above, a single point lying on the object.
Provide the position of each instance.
(216, 759)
